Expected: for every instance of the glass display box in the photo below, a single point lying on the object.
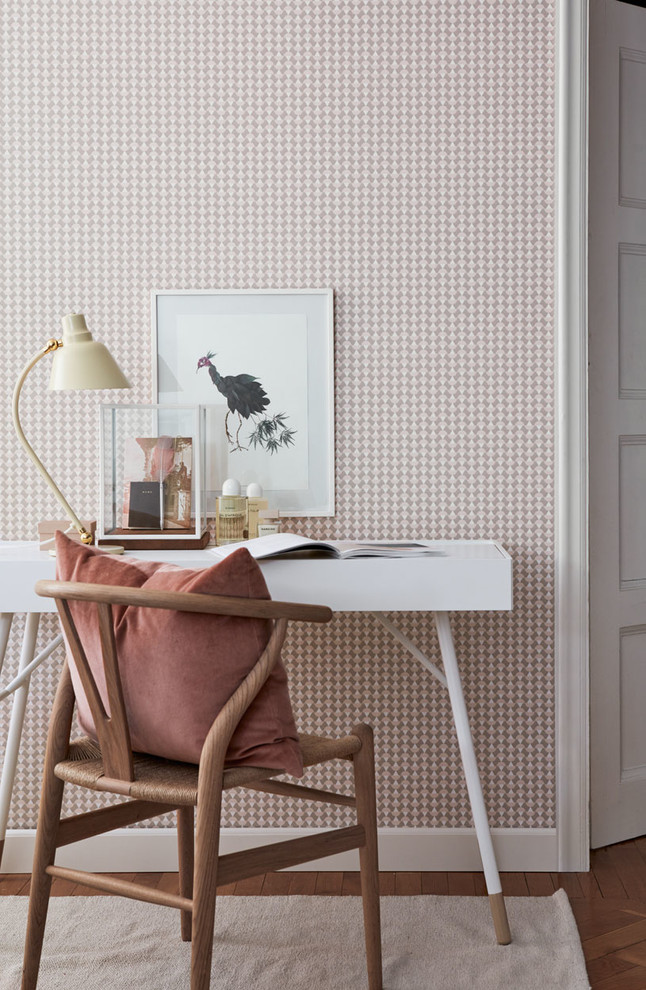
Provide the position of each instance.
(152, 477)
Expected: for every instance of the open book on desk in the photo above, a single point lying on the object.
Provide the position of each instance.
(280, 544)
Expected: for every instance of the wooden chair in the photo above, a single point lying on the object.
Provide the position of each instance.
(156, 786)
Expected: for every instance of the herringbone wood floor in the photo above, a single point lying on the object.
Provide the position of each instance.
(609, 902)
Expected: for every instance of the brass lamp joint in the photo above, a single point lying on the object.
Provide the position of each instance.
(86, 537)
(52, 345)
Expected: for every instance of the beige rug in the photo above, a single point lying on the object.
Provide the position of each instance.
(300, 943)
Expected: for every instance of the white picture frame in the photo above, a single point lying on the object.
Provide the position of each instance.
(262, 362)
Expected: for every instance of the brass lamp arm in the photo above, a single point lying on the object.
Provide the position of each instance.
(52, 345)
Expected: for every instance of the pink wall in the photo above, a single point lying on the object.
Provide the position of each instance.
(399, 152)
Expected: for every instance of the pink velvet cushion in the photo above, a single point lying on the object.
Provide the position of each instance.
(179, 668)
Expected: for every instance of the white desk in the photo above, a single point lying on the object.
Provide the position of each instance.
(471, 575)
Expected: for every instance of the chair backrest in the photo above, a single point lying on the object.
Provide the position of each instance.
(112, 730)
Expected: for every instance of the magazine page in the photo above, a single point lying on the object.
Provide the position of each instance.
(402, 548)
(284, 543)
(270, 546)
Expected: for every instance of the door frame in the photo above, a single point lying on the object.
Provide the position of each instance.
(571, 634)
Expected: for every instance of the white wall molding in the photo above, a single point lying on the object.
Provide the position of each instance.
(155, 850)
(571, 550)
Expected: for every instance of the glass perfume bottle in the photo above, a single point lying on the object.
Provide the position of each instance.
(231, 514)
(255, 504)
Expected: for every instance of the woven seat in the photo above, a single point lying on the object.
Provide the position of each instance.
(157, 779)
(154, 786)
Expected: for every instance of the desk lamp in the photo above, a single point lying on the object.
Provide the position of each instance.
(78, 362)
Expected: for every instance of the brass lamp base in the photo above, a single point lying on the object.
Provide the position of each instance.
(48, 527)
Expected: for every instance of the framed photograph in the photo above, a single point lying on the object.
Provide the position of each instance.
(262, 362)
(157, 483)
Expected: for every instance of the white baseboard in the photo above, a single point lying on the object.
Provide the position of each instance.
(142, 850)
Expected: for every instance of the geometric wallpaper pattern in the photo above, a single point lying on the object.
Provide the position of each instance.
(398, 151)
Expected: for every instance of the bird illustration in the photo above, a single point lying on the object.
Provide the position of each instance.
(247, 398)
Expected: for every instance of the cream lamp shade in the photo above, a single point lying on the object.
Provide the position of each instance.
(83, 362)
(79, 362)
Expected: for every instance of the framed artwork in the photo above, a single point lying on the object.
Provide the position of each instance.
(262, 363)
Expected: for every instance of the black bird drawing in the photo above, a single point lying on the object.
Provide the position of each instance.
(247, 398)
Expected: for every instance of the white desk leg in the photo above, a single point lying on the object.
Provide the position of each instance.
(463, 730)
(15, 725)
(6, 619)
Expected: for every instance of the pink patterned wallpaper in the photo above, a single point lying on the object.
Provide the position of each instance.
(399, 151)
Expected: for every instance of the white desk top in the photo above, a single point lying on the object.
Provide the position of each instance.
(471, 575)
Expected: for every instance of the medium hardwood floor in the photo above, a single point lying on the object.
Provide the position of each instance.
(609, 902)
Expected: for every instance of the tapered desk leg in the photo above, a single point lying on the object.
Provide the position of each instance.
(465, 742)
(15, 725)
(450, 678)
(6, 618)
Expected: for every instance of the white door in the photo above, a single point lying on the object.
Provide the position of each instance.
(617, 326)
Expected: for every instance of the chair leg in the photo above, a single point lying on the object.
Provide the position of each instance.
(205, 875)
(49, 814)
(185, 846)
(41, 882)
(364, 786)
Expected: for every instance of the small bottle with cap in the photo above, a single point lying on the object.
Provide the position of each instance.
(230, 514)
(255, 504)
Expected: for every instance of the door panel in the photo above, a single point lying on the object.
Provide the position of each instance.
(632, 124)
(632, 650)
(617, 326)
(632, 339)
